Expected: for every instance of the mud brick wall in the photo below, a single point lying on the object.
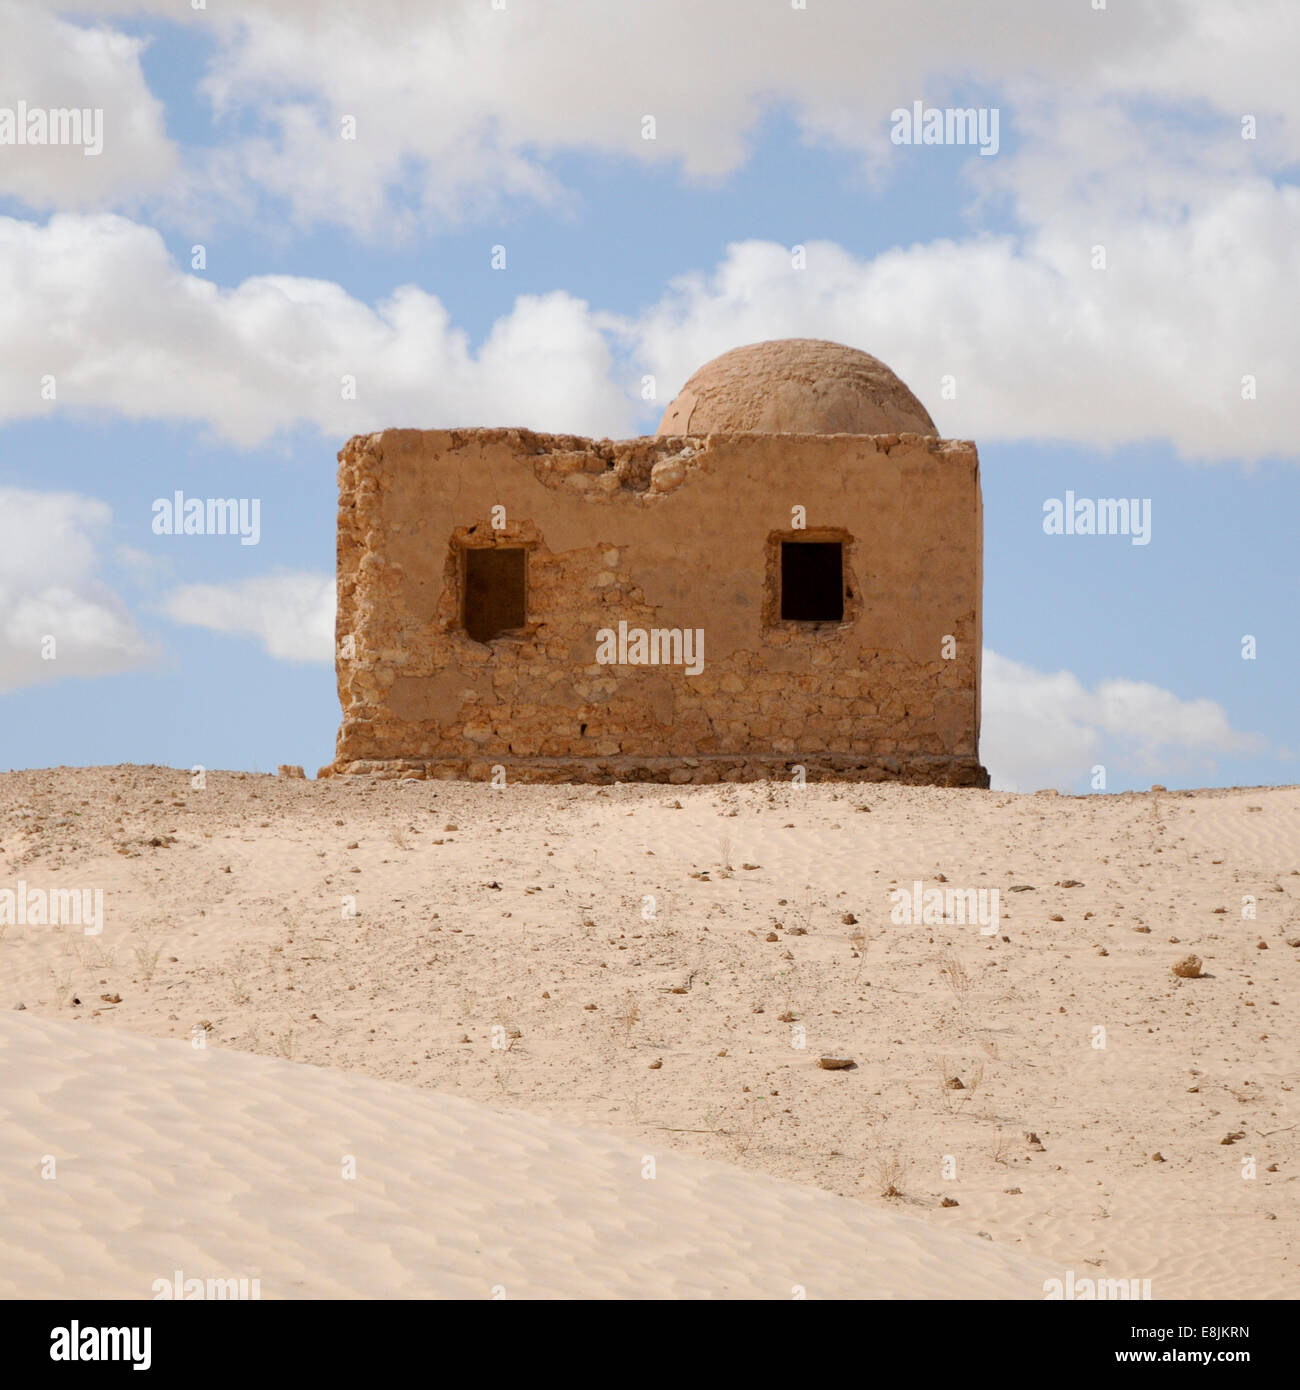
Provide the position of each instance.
(659, 533)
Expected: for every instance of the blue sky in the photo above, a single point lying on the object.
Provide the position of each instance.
(628, 257)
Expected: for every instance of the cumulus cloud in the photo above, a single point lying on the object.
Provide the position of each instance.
(51, 589)
(291, 614)
(1122, 131)
(1035, 344)
(97, 303)
(459, 104)
(1028, 340)
(1043, 729)
(50, 64)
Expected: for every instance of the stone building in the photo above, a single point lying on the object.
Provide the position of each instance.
(787, 575)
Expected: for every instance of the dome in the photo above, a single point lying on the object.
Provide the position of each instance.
(795, 386)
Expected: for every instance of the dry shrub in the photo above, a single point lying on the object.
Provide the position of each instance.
(890, 1171)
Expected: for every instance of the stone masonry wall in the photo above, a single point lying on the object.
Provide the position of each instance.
(660, 533)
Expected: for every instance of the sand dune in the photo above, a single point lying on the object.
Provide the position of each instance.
(542, 948)
(229, 1166)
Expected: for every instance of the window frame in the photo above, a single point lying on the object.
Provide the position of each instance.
(852, 598)
(523, 628)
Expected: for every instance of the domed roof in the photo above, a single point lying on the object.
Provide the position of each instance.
(795, 386)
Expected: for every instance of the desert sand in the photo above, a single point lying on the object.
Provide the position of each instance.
(222, 1165)
(548, 1026)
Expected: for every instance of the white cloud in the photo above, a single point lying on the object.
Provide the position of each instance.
(51, 587)
(97, 303)
(1121, 129)
(1040, 346)
(460, 103)
(52, 64)
(1049, 730)
(290, 614)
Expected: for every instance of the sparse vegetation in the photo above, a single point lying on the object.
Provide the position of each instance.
(953, 973)
(629, 1014)
(891, 1170)
(239, 979)
(1000, 1146)
(92, 955)
(146, 959)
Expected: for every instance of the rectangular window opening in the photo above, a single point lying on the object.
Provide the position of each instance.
(495, 581)
(812, 581)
